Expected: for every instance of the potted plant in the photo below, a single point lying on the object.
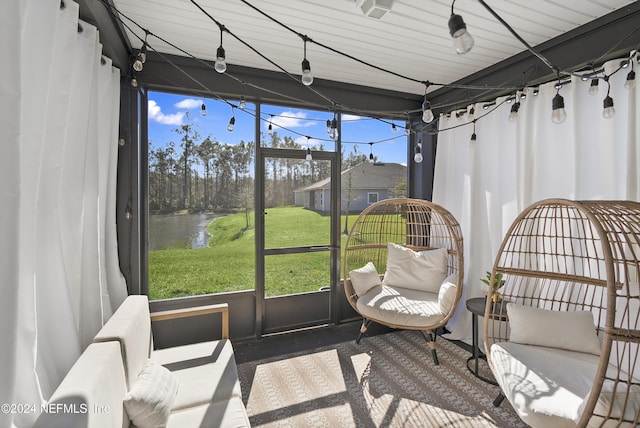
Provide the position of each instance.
(496, 285)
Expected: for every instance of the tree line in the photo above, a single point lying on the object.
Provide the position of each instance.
(202, 174)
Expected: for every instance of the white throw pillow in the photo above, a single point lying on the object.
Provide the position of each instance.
(417, 270)
(447, 294)
(364, 279)
(151, 397)
(570, 330)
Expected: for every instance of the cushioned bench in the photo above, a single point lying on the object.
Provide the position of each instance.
(193, 385)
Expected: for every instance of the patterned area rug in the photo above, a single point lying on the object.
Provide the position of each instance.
(387, 380)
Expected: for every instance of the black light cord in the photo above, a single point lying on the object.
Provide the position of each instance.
(548, 63)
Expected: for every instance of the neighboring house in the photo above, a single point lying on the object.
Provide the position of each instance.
(362, 185)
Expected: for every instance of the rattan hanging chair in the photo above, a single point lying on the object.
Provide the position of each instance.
(563, 260)
(419, 226)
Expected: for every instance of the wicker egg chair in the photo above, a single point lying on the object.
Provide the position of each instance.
(560, 258)
(415, 224)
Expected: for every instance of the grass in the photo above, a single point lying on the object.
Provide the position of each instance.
(228, 264)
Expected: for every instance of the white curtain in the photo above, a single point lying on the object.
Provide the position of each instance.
(59, 103)
(511, 165)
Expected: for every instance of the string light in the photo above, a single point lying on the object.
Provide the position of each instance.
(308, 156)
(474, 137)
(630, 83)
(243, 103)
(407, 129)
(203, 109)
(307, 77)
(333, 133)
(220, 65)
(462, 40)
(232, 121)
(393, 127)
(593, 88)
(141, 58)
(556, 103)
(513, 116)
(609, 111)
(134, 81)
(371, 152)
(558, 114)
(328, 126)
(270, 127)
(417, 157)
(427, 113)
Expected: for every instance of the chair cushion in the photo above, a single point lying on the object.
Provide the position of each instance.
(400, 306)
(545, 386)
(151, 398)
(131, 326)
(364, 278)
(415, 270)
(209, 368)
(228, 413)
(447, 293)
(573, 331)
(95, 383)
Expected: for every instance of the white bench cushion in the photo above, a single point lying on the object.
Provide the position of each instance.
(92, 392)
(205, 371)
(131, 326)
(400, 306)
(228, 413)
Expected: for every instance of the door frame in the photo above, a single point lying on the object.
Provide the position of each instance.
(295, 302)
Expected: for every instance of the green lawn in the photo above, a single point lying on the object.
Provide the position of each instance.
(228, 264)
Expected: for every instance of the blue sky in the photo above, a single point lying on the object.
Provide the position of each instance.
(168, 111)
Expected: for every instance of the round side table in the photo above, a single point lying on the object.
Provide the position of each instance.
(477, 306)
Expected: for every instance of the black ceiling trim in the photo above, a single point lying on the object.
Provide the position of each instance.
(569, 51)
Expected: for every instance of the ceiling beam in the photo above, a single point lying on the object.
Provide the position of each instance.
(569, 51)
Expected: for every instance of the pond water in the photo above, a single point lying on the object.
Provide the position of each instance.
(179, 230)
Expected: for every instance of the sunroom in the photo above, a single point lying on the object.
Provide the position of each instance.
(217, 154)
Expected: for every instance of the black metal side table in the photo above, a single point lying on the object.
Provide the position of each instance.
(477, 307)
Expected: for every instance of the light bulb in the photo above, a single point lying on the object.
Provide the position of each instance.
(134, 82)
(142, 55)
(394, 128)
(203, 110)
(417, 157)
(370, 157)
(307, 78)
(593, 89)
(608, 111)
(334, 129)
(137, 64)
(243, 103)
(407, 130)
(630, 83)
(308, 156)
(472, 141)
(462, 40)
(231, 124)
(558, 114)
(328, 126)
(427, 114)
(513, 116)
(220, 64)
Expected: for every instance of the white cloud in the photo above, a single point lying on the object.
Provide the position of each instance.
(352, 118)
(289, 119)
(155, 114)
(188, 103)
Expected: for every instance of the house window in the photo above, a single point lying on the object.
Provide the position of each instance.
(372, 197)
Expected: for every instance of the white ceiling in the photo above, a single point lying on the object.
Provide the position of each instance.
(412, 39)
